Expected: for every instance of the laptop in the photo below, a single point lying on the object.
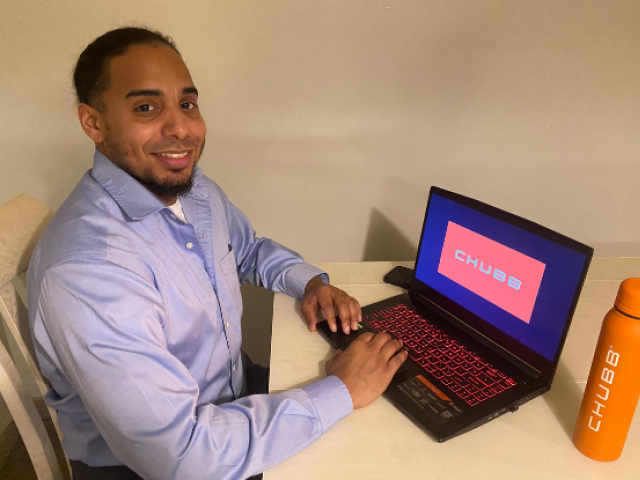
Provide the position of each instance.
(485, 318)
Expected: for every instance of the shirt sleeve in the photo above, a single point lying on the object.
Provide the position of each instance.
(266, 263)
(107, 331)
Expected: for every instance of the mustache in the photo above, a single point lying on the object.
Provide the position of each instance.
(172, 145)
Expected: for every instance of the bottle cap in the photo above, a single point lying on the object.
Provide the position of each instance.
(628, 299)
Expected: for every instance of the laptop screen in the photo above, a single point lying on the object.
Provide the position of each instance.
(518, 280)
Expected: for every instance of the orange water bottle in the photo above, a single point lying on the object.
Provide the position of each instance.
(613, 387)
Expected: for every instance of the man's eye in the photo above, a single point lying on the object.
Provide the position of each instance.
(144, 108)
(188, 106)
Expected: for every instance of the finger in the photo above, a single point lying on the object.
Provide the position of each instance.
(345, 316)
(397, 360)
(308, 309)
(356, 313)
(381, 339)
(329, 312)
(390, 348)
(366, 337)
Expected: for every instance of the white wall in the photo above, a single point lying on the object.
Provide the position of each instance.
(328, 121)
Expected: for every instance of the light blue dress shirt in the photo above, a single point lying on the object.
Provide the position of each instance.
(135, 317)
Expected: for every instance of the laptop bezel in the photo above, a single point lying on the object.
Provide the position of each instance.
(498, 341)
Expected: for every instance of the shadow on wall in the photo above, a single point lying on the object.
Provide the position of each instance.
(385, 241)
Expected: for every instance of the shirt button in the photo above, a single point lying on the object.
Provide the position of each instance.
(234, 368)
(174, 217)
(226, 324)
(189, 246)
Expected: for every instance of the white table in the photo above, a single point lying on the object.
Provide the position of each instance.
(378, 442)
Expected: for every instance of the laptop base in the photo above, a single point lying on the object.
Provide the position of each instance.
(429, 403)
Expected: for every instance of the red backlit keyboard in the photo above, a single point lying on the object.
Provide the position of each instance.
(457, 367)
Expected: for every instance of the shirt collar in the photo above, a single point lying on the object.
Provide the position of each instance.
(136, 201)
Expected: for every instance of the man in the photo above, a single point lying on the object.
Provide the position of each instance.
(135, 303)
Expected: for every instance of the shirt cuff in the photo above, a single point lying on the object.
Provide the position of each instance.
(331, 399)
(299, 275)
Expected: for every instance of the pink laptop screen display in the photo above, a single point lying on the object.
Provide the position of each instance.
(499, 274)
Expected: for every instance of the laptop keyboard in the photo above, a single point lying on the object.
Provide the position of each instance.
(453, 364)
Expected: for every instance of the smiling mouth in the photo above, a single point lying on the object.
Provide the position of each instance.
(173, 154)
(175, 160)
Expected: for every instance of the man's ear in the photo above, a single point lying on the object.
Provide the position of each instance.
(92, 122)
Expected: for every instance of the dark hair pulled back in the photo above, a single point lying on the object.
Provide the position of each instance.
(91, 75)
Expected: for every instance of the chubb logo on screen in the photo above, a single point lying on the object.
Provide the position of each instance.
(503, 276)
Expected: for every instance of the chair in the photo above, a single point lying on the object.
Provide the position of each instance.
(22, 223)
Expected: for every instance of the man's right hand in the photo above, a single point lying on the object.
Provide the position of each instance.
(367, 366)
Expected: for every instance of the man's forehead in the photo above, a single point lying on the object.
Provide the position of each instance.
(149, 67)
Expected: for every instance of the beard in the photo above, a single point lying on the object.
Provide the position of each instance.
(174, 183)
(169, 187)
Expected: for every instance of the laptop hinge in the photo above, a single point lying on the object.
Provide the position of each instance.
(493, 346)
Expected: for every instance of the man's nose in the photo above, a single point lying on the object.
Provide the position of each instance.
(175, 124)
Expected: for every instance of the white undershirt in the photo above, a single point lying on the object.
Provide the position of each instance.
(176, 208)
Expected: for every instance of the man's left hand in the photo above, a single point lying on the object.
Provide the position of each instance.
(330, 300)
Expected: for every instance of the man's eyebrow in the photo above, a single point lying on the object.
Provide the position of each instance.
(158, 93)
(144, 93)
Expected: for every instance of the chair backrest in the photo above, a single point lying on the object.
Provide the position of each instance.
(22, 223)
